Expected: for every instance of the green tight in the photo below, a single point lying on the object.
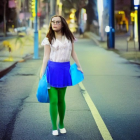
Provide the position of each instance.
(57, 105)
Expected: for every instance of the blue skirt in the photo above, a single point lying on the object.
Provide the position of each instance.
(58, 74)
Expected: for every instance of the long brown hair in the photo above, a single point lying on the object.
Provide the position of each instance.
(65, 30)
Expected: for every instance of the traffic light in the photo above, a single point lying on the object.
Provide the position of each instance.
(32, 8)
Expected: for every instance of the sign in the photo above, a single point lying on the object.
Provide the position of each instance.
(136, 2)
(38, 14)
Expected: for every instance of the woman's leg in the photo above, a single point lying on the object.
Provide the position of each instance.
(61, 106)
(53, 96)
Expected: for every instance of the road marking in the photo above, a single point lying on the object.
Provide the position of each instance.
(97, 117)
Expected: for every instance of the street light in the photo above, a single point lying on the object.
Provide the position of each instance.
(100, 4)
(137, 7)
(136, 2)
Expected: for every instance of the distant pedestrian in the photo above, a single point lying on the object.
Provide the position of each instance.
(81, 22)
(58, 49)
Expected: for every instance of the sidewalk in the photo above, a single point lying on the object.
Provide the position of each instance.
(22, 50)
(9, 36)
(133, 55)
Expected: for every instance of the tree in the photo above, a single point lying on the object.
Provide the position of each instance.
(4, 5)
(92, 14)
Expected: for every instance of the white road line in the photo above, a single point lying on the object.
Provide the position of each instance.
(97, 117)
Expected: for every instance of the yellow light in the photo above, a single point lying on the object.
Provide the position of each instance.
(84, 10)
(60, 4)
(58, 1)
(33, 14)
(132, 14)
(121, 12)
(33, 6)
(73, 10)
(72, 16)
(31, 18)
(33, 10)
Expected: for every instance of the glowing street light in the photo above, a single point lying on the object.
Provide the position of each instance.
(100, 19)
(137, 23)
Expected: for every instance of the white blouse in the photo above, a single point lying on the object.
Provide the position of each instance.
(60, 51)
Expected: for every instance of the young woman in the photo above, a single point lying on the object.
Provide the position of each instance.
(58, 48)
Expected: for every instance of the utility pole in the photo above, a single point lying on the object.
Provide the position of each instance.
(111, 25)
(4, 18)
(35, 33)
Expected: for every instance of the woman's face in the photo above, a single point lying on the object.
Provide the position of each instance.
(56, 24)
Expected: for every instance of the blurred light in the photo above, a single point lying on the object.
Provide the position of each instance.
(72, 16)
(135, 8)
(34, 14)
(136, 26)
(100, 5)
(60, 8)
(85, 16)
(136, 2)
(31, 18)
(58, 1)
(33, 8)
(72, 21)
(100, 14)
(73, 10)
(121, 12)
(60, 4)
(107, 29)
(132, 14)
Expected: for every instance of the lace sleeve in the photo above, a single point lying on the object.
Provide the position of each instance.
(45, 41)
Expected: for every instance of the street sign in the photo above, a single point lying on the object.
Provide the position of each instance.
(136, 2)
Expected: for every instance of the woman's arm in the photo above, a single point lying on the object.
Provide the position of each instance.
(46, 57)
(75, 58)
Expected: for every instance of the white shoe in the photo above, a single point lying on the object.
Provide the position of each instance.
(55, 132)
(62, 131)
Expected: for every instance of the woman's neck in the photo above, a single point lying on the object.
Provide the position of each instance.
(58, 34)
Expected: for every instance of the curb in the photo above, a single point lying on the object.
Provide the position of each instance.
(1, 47)
(5, 71)
(8, 69)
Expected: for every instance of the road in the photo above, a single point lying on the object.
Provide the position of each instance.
(111, 82)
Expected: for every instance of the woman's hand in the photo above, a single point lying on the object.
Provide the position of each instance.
(79, 68)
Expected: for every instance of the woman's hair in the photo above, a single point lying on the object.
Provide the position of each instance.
(65, 30)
